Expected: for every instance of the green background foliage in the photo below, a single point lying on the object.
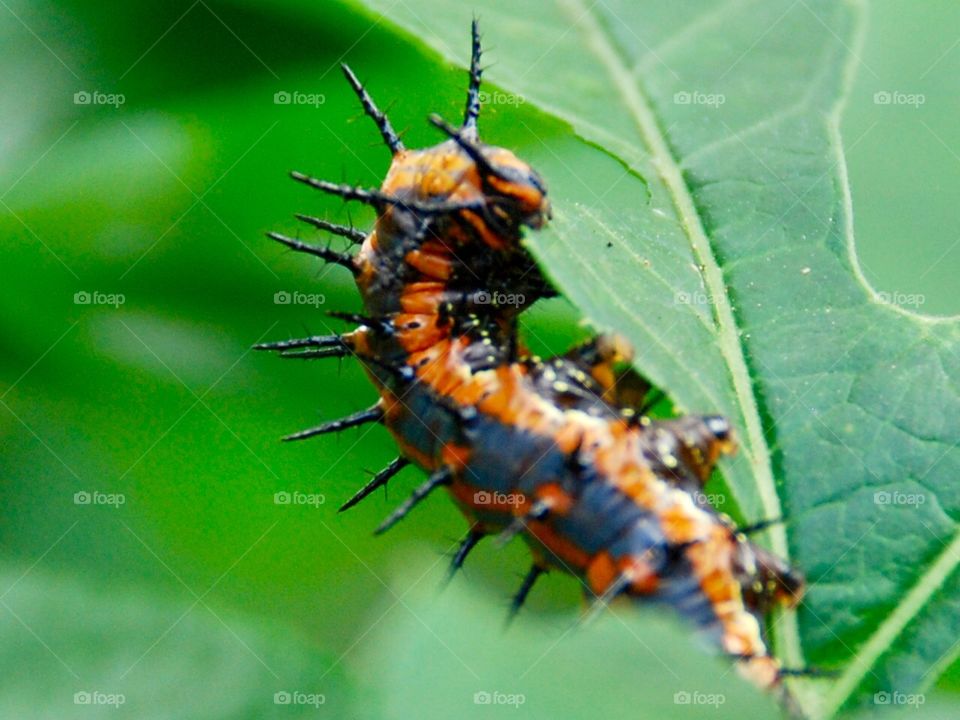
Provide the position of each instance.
(199, 582)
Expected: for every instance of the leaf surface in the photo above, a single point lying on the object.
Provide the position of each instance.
(725, 251)
(73, 649)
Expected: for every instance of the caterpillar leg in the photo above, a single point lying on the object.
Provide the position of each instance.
(782, 672)
(760, 526)
(603, 358)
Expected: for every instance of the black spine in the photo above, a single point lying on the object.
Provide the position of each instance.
(371, 414)
(315, 341)
(469, 542)
(352, 234)
(331, 256)
(378, 480)
(520, 598)
(440, 477)
(472, 111)
(390, 137)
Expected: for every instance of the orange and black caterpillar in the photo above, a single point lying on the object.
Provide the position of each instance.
(558, 451)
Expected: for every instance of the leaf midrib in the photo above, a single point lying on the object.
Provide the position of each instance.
(733, 351)
(734, 354)
(726, 328)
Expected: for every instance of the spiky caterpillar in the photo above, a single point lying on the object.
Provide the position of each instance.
(557, 452)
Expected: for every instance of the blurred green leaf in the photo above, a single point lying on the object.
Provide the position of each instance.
(131, 654)
(470, 665)
(734, 272)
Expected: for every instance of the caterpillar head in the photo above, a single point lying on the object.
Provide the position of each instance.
(509, 194)
(475, 184)
(515, 193)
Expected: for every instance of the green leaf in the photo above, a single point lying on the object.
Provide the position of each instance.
(71, 649)
(469, 665)
(725, 252)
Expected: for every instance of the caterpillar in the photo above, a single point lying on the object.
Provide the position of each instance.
(559, 452)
